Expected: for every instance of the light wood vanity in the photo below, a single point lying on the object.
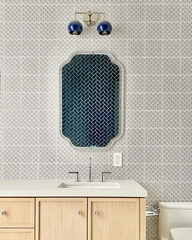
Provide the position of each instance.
(57, 217)
(73, 218)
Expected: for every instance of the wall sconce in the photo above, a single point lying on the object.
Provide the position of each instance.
(89, 18)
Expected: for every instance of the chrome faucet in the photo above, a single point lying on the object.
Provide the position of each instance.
(90, 177)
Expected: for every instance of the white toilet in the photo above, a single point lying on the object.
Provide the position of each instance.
(181, 233)
(175, 221)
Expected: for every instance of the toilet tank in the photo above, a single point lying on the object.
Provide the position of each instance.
(173, 215)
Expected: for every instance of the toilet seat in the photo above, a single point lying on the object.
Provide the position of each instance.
(181, 234)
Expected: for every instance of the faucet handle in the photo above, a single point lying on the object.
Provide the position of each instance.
(103, 177)
(77, 179)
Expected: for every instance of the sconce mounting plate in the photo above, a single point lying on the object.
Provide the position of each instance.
(90, 19)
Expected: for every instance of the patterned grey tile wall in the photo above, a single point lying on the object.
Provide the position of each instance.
(153, 40)
(1, 128)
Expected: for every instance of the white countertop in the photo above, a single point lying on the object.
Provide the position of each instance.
(48, 188)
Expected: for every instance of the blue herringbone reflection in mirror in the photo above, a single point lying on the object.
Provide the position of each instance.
(90, 100)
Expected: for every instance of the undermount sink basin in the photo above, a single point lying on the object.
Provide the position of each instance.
(88, 185)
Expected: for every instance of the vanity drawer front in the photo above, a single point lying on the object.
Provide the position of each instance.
(17, 212)
(17, 234)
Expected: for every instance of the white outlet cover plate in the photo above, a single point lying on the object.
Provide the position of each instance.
(117, 159)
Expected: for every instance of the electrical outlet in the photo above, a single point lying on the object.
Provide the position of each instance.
(117, 159)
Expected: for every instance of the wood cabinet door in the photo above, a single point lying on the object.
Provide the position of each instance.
(16, 234)
(113, 219)
(61, 219)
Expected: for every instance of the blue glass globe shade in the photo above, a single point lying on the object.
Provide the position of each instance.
(104, 28)
(75, 28)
